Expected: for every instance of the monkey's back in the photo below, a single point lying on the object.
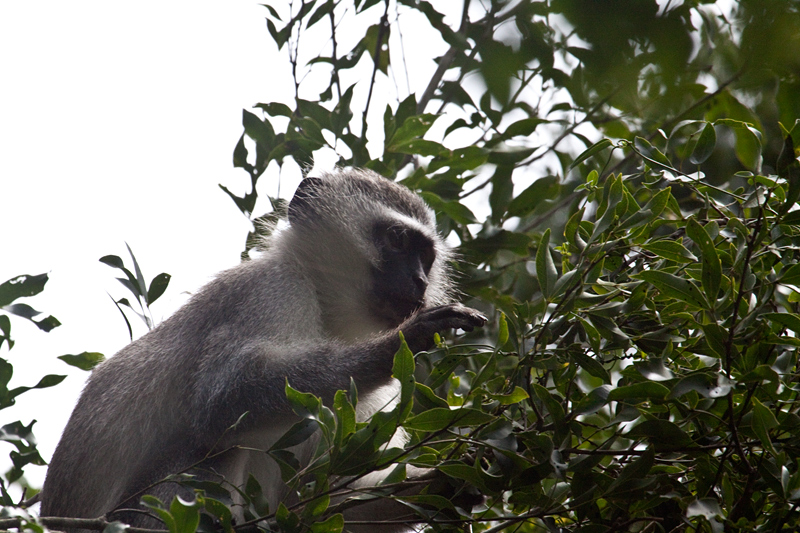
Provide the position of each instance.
(136, 419)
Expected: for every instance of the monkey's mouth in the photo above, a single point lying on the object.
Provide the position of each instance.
(396, 311)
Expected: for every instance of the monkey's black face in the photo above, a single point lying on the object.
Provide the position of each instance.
(400, 281)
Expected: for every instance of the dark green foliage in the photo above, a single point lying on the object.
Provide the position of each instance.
(137, 286)
(15, 433)
(637, 245)
(644, 279)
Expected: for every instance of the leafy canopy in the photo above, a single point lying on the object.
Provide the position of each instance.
(621, 179)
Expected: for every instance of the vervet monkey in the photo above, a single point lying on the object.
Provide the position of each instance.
(359, 262)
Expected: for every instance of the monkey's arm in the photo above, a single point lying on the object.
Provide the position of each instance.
(252, 379)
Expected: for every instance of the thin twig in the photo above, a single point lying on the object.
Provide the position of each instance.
(335, 74)
(384, 23)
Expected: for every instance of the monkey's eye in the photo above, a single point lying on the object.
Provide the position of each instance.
(427, 255)
(397, 240)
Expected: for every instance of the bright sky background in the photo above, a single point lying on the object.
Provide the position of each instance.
(117, 123)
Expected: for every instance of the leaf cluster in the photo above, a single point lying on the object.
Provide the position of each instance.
(17, 434)
(622, 182)
(624, 202)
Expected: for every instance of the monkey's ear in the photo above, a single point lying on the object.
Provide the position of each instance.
(303, 196)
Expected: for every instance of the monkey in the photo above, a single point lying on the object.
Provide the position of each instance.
(359, 261)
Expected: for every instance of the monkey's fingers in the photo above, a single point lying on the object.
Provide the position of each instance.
(455, 316)
(420, 328)
(476, 319)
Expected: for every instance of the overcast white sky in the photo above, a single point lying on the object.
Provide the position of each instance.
(117, 123)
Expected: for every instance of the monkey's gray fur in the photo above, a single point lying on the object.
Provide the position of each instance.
(359, 261)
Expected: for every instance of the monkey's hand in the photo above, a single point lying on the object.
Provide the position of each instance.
(419, 329)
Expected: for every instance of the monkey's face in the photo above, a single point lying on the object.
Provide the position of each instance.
(400, 279)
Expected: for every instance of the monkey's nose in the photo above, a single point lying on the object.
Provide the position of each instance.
(421, 283)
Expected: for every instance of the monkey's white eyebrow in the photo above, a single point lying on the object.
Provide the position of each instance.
(398, 220)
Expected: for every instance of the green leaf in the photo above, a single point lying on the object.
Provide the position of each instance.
(8, 399)
(371, 46)
(763, 421)
(572, 226)
(509, 156)
(593, 336)
(636, 469)
(652, 155)
(288, 521)
(403, 371)
(84, 360)
(488, 371)
(465, 472)
(658, 202)
(614, 195)
(317, 506)
(20, 287)
(594, 401)
(708, 508)
(413, 128)
(26, 311)
(325, 9)
(185, 515)
(546, 271)
(276, 109)
(589, 152)
(157, 287)
(790, 275)
(524, 127)
(259, 130)
(454, 209)
(541, 189)
(419, 147)
(246, 204)
(516, 396)
(440, 418)
(502, 330)
(287, 463)
(553, 405)
(705, 145)
(218, 510)
(6, 371)
(255, 494)
(299, 432)
(654, 369)
(663, 434)
(239, 159)
(141, 285)
(748, 147)
(707, 384)
(116, 527)
(502, 191)
(670, 250)
(131, 283)
(674, 287)
(788, 168)
(156, 506)
(303, 403)
(461, 159)
(333, 524)
(342, 113)
(345, 415)
(790, 320)
(712, 269)
(428, 399)
(648, 390)
(717, 337)
(592, 366)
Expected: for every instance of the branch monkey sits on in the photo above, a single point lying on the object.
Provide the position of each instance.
(359, 261)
